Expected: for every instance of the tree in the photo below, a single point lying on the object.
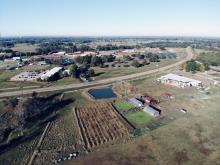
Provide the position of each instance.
(73, 70)
(135, 64)
(90, 73)
(79, 59)
(140, 56)
(193, 66)
(202, 68)
(154, 58)
(96, 61)
(145, 62)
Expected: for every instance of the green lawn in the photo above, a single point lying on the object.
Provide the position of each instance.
(123, 105)
(25, 47)
(139, 117)
(66, 81)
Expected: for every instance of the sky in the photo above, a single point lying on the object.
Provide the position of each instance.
(110, 18)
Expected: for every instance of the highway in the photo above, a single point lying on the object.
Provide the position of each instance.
(98, 82)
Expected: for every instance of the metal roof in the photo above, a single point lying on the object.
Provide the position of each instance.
(136, 102)
(179, 78)
(151, 111)
(51, 72)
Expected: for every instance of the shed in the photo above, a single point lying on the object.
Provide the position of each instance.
(149, 100)
(151, 111)
(136, 102)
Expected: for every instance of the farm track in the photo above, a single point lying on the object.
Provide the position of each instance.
(99, 124)
(190, 55)
(38, 145)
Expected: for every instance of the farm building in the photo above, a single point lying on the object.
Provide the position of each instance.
(148, 100)
(179, 81)
(136, 102)
(151, 111)
(51, 73)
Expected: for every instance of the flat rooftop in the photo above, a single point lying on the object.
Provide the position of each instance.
(179, 78)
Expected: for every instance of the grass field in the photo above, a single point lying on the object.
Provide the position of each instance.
(139, 118)
(66, 81)
(121, 71)
(114, 72)
(191, 138)
(123, 105)
(25, 48)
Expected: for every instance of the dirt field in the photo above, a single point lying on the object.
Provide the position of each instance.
(178, 138)
(99, 124)
(61, 138)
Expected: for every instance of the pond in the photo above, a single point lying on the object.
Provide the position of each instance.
(102, 93)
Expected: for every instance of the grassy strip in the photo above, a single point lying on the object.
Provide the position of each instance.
(123, 105)
(139, 117)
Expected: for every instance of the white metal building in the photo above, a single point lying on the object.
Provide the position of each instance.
(51, 72)
(179, 81)
(136, 102)
(151, 111)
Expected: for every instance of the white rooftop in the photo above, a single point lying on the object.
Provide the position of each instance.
(179, 78)
(51, 72)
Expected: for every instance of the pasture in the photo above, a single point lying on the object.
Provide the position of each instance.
(123, 105)
(139, 118)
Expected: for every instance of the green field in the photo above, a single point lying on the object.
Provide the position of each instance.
(25, 47)
(123, 105)
(103, 73)
(139, 117)
(211, 58)
(66, 81)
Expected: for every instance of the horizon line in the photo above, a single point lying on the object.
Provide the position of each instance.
(110, 36)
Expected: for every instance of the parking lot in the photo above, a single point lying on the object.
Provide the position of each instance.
(27, 76)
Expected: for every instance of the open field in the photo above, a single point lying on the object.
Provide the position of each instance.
(20, 153)
(61, 138)
(25, 48)
(139, 118)
(99, 124)
(123, 105)
(191, 138)
(66, 81)
(119, 71)
(114, 72)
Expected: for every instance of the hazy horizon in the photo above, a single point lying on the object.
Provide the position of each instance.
(114, 18)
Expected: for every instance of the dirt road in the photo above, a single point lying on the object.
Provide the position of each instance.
(99, 82)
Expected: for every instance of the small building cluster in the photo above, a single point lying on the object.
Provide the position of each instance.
(34, 76)
(179, 81)
(147, 104)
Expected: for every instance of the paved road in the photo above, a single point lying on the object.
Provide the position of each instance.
(99, 82)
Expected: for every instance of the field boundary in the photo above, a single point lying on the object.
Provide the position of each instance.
(124, 119)
(38, 145)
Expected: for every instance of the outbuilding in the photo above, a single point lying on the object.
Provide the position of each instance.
(51, 73)
(148, 100)
(151, 111)
(136, 102)
(179, 81)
